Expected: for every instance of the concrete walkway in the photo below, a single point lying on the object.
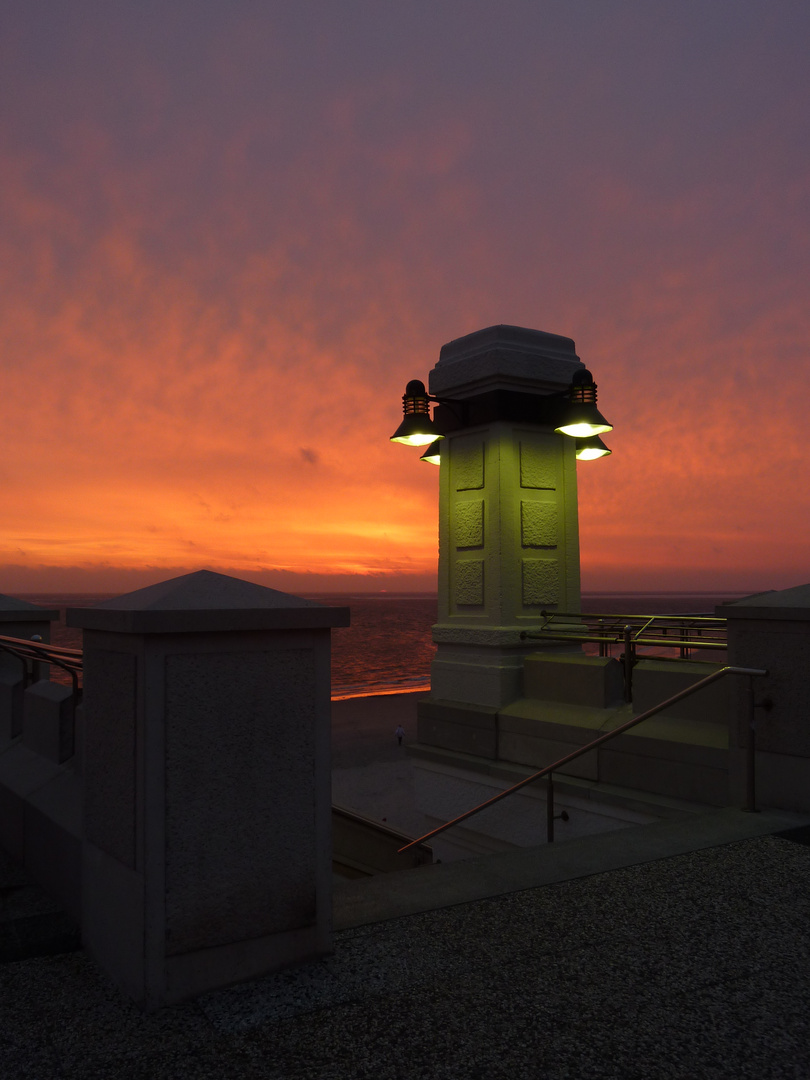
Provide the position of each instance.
(653, 963)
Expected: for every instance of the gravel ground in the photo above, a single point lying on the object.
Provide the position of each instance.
(696, 966)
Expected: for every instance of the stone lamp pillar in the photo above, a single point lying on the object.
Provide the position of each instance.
(207, 787)
(508, 531)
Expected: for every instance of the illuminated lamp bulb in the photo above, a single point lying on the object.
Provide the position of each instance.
(416, 429)
(591, 448)
(433, 453)
(581, 418)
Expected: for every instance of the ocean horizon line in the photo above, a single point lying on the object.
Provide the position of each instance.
(422, 595)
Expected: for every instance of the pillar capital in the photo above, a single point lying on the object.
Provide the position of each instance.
(504, 358)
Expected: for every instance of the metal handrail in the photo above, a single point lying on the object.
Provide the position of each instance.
(706, 633)
(69, 660)
(549, 769)
(39, 650)
(694, 618)
(668, 643)
(689, 631)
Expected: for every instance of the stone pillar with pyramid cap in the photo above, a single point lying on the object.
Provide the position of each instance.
(19, 618)
(207, 855)
(508, 530)
(771, 630)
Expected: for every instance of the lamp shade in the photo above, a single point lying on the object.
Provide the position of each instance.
(591, 448)
(433, 453)
(580, 417)
(417, 428)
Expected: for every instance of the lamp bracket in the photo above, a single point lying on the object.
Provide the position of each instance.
(459, 413)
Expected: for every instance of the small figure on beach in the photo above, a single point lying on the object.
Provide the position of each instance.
(400, 734)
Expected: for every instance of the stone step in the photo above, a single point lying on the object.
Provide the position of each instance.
(361, 902)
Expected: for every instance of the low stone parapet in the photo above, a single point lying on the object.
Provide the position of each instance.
(12, 685)
(656, 680)
(48, 720)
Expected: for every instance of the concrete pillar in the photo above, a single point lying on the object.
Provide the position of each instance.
(206, 855)
(772, 630)
(508, 529)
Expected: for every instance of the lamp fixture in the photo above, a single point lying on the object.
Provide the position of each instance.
(433, 453)
(417, 428)
(572, 412)
(581, 418)
(591, 448)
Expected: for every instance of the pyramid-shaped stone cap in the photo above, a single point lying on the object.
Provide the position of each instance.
(14, 610)
(792, 604)
(206, 601)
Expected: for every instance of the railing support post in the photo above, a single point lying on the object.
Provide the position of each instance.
(751, 753)
(550, 808)
(628, 663)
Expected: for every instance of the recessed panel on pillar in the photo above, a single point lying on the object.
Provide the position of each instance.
(467, 463)
(541, 582)
(539, 524)
(469, 524)
(538, 464)
(226, 856)
(469, 590)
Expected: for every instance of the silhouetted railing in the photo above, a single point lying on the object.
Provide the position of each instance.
(32, 653)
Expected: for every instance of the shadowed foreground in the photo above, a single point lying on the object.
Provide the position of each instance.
(693, 966)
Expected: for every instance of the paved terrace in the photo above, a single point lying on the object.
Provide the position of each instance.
(627, 956)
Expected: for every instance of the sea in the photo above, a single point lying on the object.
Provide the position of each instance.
(388, 647)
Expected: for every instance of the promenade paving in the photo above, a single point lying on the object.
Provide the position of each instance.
(693, 965)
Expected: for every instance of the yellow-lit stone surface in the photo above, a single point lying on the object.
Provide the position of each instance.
(538, 524)
(469, 531)
(468, 463)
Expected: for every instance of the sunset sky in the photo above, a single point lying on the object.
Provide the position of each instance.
(230, 232)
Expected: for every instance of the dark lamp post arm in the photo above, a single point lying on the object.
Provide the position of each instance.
(449, 403)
